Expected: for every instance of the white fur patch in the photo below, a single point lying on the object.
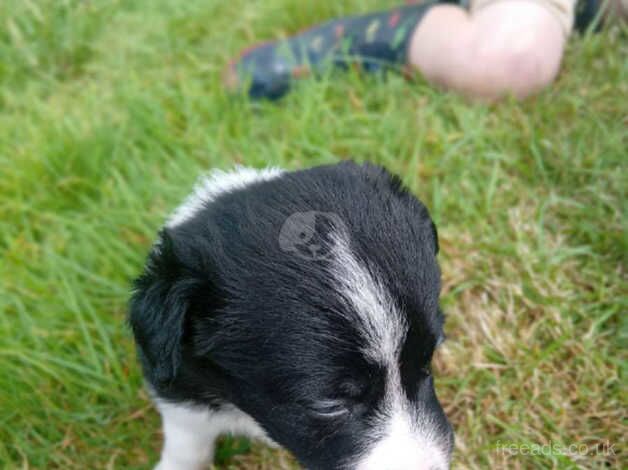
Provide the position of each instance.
(403, 438)
(215, 183)
(190, 433)
(379, 320)
(406, 440)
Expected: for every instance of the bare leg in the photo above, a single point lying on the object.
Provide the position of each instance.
(508, 47)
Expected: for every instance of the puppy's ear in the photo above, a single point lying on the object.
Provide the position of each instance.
(158, 311)
(435, 232)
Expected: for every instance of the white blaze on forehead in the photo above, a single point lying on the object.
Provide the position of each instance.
(377, 316)
(217, 182)
(403, 437)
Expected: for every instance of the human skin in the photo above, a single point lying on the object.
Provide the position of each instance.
(510, 47)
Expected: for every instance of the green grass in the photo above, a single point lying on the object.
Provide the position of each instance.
(110, 110)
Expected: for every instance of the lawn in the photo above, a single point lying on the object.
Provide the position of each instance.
(109, 110)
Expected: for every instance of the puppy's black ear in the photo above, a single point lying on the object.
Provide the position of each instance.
(435, 232)
(158, 311)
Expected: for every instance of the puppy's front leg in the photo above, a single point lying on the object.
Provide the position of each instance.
(189, 437)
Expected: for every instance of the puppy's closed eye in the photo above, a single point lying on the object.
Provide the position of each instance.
(347, 395)
(328, 409)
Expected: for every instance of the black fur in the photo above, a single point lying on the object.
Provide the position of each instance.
(223, 314)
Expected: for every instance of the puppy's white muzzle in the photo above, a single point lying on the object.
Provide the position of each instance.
(406, 447)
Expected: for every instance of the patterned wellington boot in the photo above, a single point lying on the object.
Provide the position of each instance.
(373, 42)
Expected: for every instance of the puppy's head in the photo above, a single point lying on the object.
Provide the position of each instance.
(310, 302)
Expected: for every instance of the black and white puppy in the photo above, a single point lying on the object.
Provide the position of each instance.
(300, 308)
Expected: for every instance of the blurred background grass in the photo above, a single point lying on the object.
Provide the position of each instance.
(109, 110)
